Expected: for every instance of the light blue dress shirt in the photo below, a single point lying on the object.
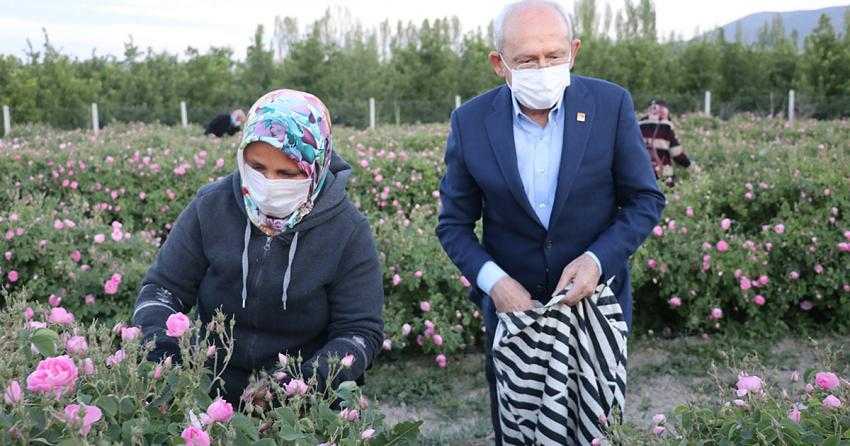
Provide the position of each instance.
(538, 154)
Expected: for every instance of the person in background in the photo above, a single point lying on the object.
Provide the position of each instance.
(226, 123)
(277, 246)
(661, 142)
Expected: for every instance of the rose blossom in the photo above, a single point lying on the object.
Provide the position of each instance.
(55, 375)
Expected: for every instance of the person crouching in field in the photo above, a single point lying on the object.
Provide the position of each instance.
(661, 142)
(226, 123)
(279, 248)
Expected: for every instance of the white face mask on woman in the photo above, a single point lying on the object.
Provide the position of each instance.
(276, 198)
(539, 88)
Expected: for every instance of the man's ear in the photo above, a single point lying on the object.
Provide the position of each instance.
(497, 65)
(575, 48)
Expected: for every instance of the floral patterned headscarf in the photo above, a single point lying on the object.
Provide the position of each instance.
(299, 125)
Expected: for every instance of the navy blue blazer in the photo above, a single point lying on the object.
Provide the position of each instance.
(607, 199)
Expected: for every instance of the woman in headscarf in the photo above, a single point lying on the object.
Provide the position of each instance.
(278, 247)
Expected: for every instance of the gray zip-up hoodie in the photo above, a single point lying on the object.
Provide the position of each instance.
(315, 289)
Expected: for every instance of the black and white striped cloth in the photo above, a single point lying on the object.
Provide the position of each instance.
(560, 370)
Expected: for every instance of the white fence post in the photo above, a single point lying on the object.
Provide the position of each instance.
(95, 122)
(7, 121)
(371, 113)
(457, 101)
(184, 119)
(791, 100)
(708, 103)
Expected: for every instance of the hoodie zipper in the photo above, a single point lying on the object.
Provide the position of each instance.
(259, 267)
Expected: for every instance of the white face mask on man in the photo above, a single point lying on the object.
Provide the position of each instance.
(539, 88)
(275, 198)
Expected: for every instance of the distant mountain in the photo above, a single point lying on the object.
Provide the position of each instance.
(802, 21)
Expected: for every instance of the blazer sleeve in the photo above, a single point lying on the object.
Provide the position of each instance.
(461, 199)
(639, 200)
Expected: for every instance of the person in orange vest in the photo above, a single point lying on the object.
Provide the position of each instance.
(659, 136)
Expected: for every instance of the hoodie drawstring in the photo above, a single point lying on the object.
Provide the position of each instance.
(245, 263)
(287, 276)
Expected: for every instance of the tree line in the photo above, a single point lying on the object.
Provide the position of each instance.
(414, 71)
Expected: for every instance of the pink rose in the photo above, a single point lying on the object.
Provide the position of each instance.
(779, 229)
(76, 345)
(130, 333)
(651, 264)
(91, 415)
(831, 402)
(177, 324)
(826, 380)
(406, 329)
(194, 436)
(396, 279)
(794, 415)
(759, 300)
(115, 358)
(465, 282)
(745, 283)
(28, 313)
(675, 302)
(438, 340)
(793, 275)
(368, 434)
(689, 211)
(76, 256)
(350, 415)
(749, 384)
(425, 306)
(347, 361)
(441, 360)
(819, 268)
(12, 276)
(110, 287)
(806, 305)
(89, 299)
(417, 274)
(763, 280)
(54, 300)
(658, 231)
(725, 224)
(55, 375)
(296, 387)
(659, 418)
(722, 246)
(716, 313)
(88, 367)
(220, 411)
(99, 238)
(60, 316)
(658, 430)
(13, 394)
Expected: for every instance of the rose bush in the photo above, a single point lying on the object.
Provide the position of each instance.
(755, 236)
(89, 384)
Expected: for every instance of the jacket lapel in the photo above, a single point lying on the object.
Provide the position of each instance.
(500, 130)
(579, 113)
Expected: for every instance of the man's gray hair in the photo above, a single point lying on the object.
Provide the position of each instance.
(514, 6)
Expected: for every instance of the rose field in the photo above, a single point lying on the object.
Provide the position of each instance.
(742, 296)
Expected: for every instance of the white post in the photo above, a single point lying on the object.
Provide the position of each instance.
(183, 118)
(708, 103)
(7, 121)
(791, 106)
(95, 122)
(457, 101)
(371, 113)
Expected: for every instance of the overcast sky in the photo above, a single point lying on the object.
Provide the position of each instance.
(78, 26)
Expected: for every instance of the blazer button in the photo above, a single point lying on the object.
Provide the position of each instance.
(548, 244)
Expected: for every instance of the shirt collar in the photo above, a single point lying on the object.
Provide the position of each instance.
(553, 113)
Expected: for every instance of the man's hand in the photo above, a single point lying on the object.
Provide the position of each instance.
(509, 295)
(584, 274)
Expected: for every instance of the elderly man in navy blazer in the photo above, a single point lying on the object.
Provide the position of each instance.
(555, 166)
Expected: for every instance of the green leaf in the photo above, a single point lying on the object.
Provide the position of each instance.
(45, 340)
(127, 406)
(404, 433)
(290, 433)
(108, 404)
(244, 425)
(264, 442)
